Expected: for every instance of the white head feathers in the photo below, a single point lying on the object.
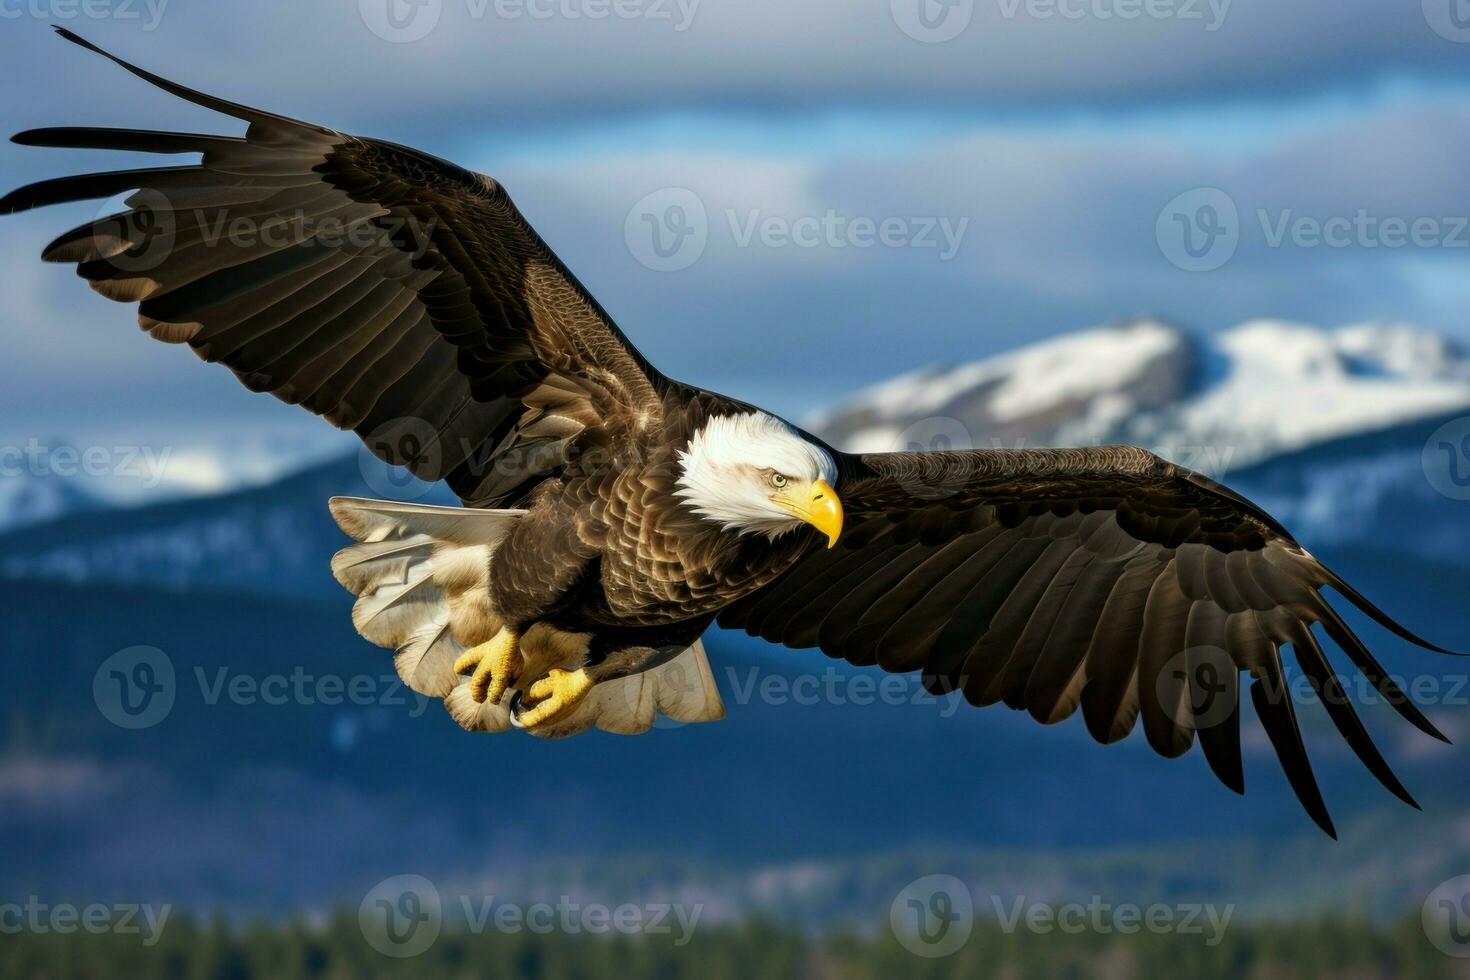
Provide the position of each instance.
(731, 462)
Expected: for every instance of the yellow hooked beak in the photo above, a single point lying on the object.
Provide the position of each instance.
(820, 507)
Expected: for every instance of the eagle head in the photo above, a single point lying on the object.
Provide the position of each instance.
(754, 474)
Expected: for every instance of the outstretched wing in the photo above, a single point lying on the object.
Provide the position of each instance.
(390, 291)
(1104, 577)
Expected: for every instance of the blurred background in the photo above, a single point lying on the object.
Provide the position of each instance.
(1233, 231)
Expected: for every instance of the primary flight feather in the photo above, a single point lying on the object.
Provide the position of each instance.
(613, 514)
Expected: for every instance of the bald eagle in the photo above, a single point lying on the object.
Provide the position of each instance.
(612, 514)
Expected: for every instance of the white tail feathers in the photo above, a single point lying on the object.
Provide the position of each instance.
(683, 689)
(422, 575)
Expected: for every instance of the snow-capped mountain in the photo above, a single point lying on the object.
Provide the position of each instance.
(273, 539)
(1325, 429)
(1337, 432)
(1220, 403)
(27, 499)
(42, 480)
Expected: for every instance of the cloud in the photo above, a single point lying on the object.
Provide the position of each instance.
(1060, 231)
(519, 62)
(796, 298)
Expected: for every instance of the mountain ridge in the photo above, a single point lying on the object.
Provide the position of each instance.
(1356, 478)
(1258, 390)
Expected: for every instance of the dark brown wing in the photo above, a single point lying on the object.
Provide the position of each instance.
(392, 292)
(1104, 577)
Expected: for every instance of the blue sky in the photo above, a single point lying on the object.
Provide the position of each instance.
(1025, 169)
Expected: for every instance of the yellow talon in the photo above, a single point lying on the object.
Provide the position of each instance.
(495, 665)
(558, 693)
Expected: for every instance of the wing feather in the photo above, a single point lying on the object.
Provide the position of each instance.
(1110, 697)
(366, 281)
(1055, 685)
(1103, 578)
(1164, 706)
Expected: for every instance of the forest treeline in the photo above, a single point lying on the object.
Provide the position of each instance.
(335, 949)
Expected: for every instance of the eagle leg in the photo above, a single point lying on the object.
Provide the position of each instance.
(555, 696)
(495, 665)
